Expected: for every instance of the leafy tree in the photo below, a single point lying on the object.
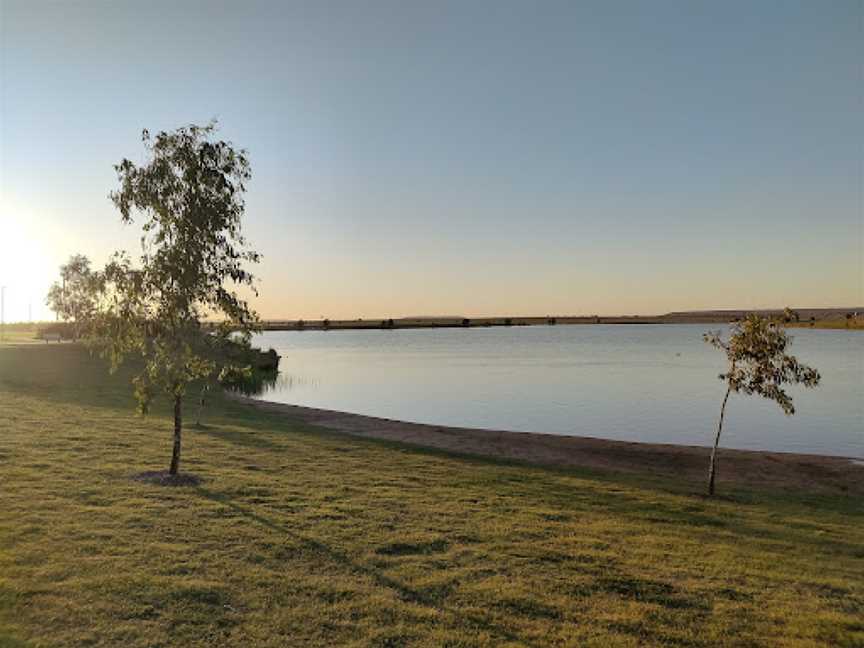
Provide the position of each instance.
(189, 196)
(74, 298)
(790, 315)
(758, 364)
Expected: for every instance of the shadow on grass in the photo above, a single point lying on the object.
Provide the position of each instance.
(405, 592)
(630, 495)
(692, 490)
(237, 437)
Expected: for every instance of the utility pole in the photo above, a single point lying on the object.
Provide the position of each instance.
(2, 313)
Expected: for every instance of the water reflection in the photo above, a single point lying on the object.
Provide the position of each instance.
(256, 383)
(634, 383)
(264, 383)
(291, 382)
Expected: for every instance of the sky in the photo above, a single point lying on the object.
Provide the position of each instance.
(463, 158)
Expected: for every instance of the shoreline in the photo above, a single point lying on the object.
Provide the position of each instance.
(846, 319)
(832, 319)
(752, 468)
(850, 318)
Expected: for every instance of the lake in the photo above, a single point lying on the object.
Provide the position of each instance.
(651, 383)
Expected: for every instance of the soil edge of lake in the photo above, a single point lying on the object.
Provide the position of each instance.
(815, 474)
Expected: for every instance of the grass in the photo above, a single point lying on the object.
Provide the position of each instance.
(19, 336)
(297, 537)
(854, 324)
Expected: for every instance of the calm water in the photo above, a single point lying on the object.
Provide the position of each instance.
(628, 382)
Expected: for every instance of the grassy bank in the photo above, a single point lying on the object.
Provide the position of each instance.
(29, 333)
(856, 324)
(19, 336)
(301, 537)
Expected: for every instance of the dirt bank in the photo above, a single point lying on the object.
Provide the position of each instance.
(775, 470)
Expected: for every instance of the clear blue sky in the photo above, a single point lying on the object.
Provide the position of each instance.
(466, 157)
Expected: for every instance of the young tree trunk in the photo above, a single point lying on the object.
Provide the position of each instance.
(712, 468)
(178, 429)
(201, 405)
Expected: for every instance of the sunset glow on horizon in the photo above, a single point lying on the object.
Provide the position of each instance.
(471, 159)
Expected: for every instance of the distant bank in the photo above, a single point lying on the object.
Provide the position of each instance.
(852, 318)
(827, 318)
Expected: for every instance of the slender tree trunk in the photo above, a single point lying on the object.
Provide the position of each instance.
(201, 405)
(178, 429)
(712, 468)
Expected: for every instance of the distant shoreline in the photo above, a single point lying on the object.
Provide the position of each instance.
(849, 318)
(824, 318)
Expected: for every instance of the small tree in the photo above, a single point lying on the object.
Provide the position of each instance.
(74, 298)
(190, 194)
(758, 364)
(790, 315)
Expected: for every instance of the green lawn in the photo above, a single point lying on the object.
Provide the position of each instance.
(19, 336)
(299, 537)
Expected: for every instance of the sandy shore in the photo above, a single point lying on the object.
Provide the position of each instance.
(775, 470)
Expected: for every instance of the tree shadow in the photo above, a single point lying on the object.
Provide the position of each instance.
(405, 592)
(237, 437)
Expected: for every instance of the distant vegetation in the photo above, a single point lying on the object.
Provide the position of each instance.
(827, 318)
(75, 297)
